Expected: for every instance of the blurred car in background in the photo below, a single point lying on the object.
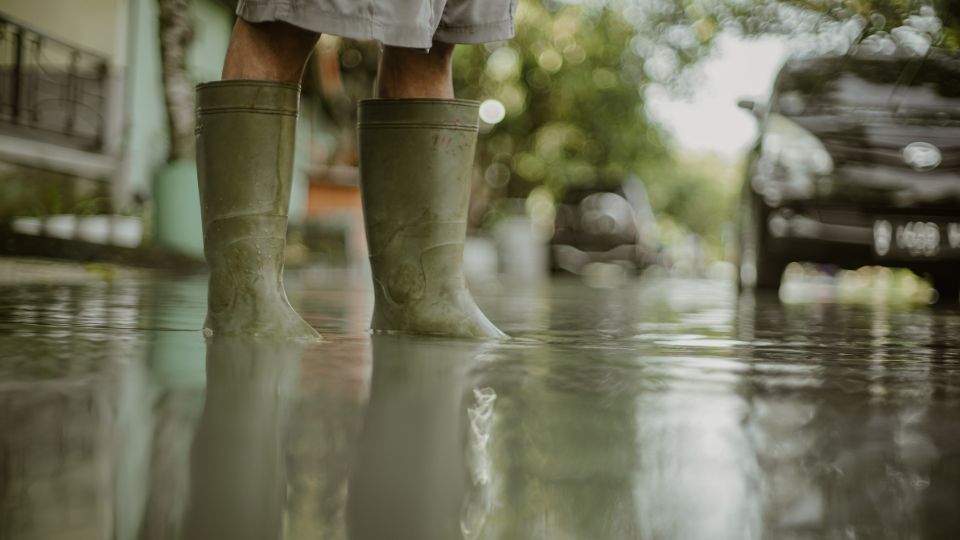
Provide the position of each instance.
(857, 163)
(594, 225)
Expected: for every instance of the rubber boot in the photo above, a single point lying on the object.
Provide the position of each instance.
(416, 159)
(245, 148)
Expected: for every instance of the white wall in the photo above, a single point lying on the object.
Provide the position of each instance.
(89, 24)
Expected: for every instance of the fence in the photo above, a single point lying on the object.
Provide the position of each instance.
(51, 90)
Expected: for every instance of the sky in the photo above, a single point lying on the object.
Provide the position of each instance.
(708, 120)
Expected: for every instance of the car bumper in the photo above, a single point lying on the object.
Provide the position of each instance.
(790, 224)
(848, 238)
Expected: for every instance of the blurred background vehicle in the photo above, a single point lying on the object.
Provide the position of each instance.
(856, 164)
(615, 226)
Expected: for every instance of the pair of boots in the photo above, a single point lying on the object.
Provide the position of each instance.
(416, 157)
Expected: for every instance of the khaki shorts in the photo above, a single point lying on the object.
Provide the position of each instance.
(400, 23)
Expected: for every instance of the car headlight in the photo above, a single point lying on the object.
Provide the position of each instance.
(788, 144)
(791, 161)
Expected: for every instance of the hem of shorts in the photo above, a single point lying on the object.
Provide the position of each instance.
(476, 33)
(364, 28)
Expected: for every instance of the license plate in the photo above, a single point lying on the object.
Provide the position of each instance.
(916, 239)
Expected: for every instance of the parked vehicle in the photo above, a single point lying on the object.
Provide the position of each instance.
(614, 226)
(857, 163)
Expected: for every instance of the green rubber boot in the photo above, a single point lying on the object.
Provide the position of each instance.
(416, 158)
(245, 147)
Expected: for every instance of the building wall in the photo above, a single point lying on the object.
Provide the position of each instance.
(42, 177)
(127, 32)
(145, 130)
(214, 22)
(90, 24)
(146, 125)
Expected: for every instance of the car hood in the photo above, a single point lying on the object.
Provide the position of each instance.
(906, 86)
(891, 126)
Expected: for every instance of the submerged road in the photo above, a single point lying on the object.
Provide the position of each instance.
(662, 409)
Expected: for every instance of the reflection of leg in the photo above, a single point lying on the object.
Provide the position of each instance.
(175, 419)
(416, 160)
(409, 481)
(238, 483)
(245, 146)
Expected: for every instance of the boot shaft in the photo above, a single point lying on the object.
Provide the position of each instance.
(246, 132)
(416, 160)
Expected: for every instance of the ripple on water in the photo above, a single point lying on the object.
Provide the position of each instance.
(668, 409)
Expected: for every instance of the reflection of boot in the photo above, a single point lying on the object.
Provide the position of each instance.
(410, 478)
(416, 156)
(238, 475)
(245, 145)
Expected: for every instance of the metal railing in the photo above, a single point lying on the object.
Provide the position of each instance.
(51, 90)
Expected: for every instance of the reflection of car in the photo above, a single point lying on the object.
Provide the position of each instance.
(593, 225)
(858, 162)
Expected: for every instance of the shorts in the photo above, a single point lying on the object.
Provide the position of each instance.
(400, 23)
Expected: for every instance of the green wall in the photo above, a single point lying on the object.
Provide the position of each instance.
(146, 125)
(146, 128)
(214, 22)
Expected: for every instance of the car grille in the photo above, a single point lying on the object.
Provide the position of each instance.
(881, 143)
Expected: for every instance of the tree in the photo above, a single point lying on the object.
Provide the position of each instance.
(176, 35)
(571, 89)
(572, 82)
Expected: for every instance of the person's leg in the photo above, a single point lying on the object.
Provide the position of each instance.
(416, 163)
(246, 129)
(271, 51)
(412, 73)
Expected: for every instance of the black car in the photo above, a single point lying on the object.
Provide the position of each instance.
(857, 163)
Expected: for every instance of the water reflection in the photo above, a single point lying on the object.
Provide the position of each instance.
(238, 478)
(408, 464)
(672, 409)
(562, 445)
(411, 474)
(847, 410)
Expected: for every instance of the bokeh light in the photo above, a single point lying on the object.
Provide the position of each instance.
(492, 111)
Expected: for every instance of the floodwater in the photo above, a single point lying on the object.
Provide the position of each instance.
(663, 409)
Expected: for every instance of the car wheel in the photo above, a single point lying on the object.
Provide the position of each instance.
(947, 285)
(759, 269)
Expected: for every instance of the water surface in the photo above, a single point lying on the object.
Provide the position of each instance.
(662, 409)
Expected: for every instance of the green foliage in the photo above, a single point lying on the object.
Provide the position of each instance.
(571, 87)
(884, 15)
(572, 82)
(698, 193)
(797, 17)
